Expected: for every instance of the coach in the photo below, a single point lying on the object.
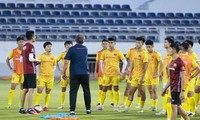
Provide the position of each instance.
(79, 74)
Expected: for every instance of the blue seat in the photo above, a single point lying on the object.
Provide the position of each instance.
(59, 6)
(166, 22)
(36, 13)
(31, 21)
(90, 22)
(56, 13)
(157, 22)
(147, 22)
(116, 7)
(70, 22)
(64, 37)
(131, 38)
(72, 36)
(179, 15)
(188, 15)
(128, 22)
(11, 21)
(85, 14)
(151, 15)
(11, 5)
(122, 14)
(75, 14)
(121, 37)
(169, 15)
(80, 22)
(138, 22)
(106, 7)
(60, 21)
(68, 6)
(119, 22)
(126, 7)
(26, 13)
(39, 6)
(2, 37)
(160, 15)
(132, 15)
(88, 7)
(17, 13)
(2, 5)
(12, 37)
(101, 37)
(30, 6)
(94, 14)
(176, 22)
(153, 38)
(51, 21)
(78, 6)
(185, 22)
(141, 15)
(109, 22)
(42, 37)
(6, 13)
(92, 37)
(181, 38)
(21, 21)
(197, 15)
(113, 14)
(189, 38)
(97, 7)
(65, 14)
(197, 37)
(46, 13)
(41, 21)
(20, 6)
(99, 22)
(52, 37)
(103, 14)
(194, 22)
(49, 6)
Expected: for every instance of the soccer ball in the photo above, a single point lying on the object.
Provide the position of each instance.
(37, 108)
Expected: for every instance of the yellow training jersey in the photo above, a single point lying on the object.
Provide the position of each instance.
(138, 61)
(153, 64)
(112, 60)
(98, 58)
(130, 54)
(61, 57)
(194, 56)
(166, 61)
(47, 65)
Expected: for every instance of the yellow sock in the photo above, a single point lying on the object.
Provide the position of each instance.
(152, 103)
(62, 98)
(10, 96)
(196, 98)
(142, 104)
(37, 98)
(110, 92)
(188, 104)
(169, 110)
(125, 99)
(116, 94)
(156, 102)
(192, 104)
(139, 100)
(99, 96)
(103, 97)
(47, 99)
(165, 97)
(128, 103)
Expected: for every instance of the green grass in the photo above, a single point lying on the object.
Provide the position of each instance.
(106, 114)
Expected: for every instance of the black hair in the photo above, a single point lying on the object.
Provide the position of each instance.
(80, 38)
(29, 34)
(140, 39)
(189, 42)
(112, 39)
(185, 46)
(47, 43)
(68, 42)
(20, 38)
(175, 46)
(170, 40)
(104, 40)
(149, 42)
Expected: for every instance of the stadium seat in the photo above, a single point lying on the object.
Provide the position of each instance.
(85, 14)
(121, 37)
(31, 21)
(197, 37)
(119, 22)
(75, 14)
(113, 14)
(20, 6)
(2, 37)
(97, 7)
(17, 13)
(106, 7)
(11, 37)
(26, 13)
(39, 6)
(59, 6)
(11, 5)
(49, 6)
(92, 37)
(188, 15)
(103, 14)
(78, 7)
(166, 22)
(68, 6)
(80, 22)
(160, 15)
(60, 21)
(116, 7)
(147, 22)
(157, 22)
(64, 37)
(6, 13)
(65, 14)
(56, 13)
(21, 21)
(194, 22)
(169, 15)
(176, 22)
(153, 38)
(179, 15)
(72, 36)
(126, 7)
(88, 7)
(36, 13)
(30, 6)
(42, 37)
(51, 21)
(101, 37)
(141, 15)
(132, 15)
(185, 22)
(70, 22)
(2, 5)
(94, 14)
(122, 14)
(151, 15)
(52, 37)
(131, 38)
(128, 22)
(90, 22)
(197, 15)
(138, 22)
(109, 22)
(181, 38)
(11, 21)
(46, 13)
(189, 37)
(99, 22)
(41, 21)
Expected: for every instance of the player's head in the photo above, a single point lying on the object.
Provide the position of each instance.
(30, 35)
(149, 45)
(190, 43)
(184, 46)
(139, 42)
(104, 44)
(173, 49)
(47, 46)
(20, 41)
(80, 38)
(167, 42)
(112, 42)
(68, 44)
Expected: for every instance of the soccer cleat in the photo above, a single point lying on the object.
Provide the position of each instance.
(61, 107)
(45, 109)
(72, 113)
(112, 104)
(140, 110)
(125, 110)
(138, 106)
(88, 111)
(163, 112)
(99, 107)
(32, 111)
(98, 104)
(153, 109)
(22, 111)
(191, 114)
(115, 108)
(8, 106)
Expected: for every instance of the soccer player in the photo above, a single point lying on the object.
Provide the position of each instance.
(176, 82)
(29, 65)
(138, 67)
(17, 69)
(153, 72)
(197, 91)
(99, 75)
(46, 74)
(64, 82)
(110, 60)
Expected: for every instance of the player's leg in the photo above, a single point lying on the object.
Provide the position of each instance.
(191, 100)
(183, 113)
(175, 103)
(141, 89)
(49, 87)
(174, 112)
(63, 85)
(197, 93)
(110, 93)
(100, 80)
(184, 101)
(21, 87)
(115, 84)
(169, 104)
(40, 88)
(155, 83)
(24, 93)
(126, 92)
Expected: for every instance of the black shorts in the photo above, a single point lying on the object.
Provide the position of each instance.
(29, 81)
(175, 98)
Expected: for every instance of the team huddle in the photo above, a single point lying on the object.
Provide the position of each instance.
(142, 68)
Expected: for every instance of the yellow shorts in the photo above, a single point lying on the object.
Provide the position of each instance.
(135, 82)
(151, 81)
(63, 82)
(192, 85)
(17, 78)
(186, 91)
(45, 82)
(111, 80)
(100, 80)
(165, 80)
(198, 82)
